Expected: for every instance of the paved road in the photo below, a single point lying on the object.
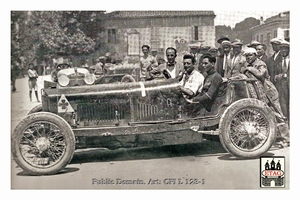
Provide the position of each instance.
(197, 166)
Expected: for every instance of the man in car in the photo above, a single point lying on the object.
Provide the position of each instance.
(192, 81)
(211, 85)
(170, 69)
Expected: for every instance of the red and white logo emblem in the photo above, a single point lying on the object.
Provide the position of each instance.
(272, 172)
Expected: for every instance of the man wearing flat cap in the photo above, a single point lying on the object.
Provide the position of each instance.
(237, 61)
(253, 44)
(213, 51)
(223, 38)
(275, 59)
(282, 78)
(225, 59)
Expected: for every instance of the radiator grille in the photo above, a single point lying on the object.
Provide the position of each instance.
(104, 111)
(145, 110)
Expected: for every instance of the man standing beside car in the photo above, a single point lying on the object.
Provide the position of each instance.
(32, 82)
(170, 69)
(147, 62)
(259, 69)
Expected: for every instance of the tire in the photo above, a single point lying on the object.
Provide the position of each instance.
(38, 108)
(247, 128)
(43, 143)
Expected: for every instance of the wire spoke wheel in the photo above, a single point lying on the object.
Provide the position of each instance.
(43, 143)
(247, 128)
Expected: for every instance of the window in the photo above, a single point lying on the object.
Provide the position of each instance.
(261, 38)
(196, 32)
(268, 37)
(275, 33)
(257, 38)
(111, 36)
(286, 33)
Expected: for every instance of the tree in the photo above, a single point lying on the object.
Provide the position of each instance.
(50, 33)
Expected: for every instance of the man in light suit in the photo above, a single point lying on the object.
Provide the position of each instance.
(237, 61)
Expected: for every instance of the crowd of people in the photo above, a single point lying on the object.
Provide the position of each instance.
(205, 68)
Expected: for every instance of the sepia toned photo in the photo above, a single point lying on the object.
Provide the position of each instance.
(150, 99)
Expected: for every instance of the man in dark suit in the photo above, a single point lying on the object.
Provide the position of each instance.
(223, 60)
(275, 59)
(282, 78)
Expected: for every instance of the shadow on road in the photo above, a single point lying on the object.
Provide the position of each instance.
(230, 157)
(64, 171)
(105, 155)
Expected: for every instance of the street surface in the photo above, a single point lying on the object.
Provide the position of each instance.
(197, 166)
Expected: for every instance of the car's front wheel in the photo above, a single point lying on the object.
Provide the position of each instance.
(43, 143)
(247, 128)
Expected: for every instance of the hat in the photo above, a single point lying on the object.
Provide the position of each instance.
(101, 58)
(275, 41)
(285, 43)
(223, 38)
(206, 47)
(212, 49)
(92, 67)
(237, 42)
(195, 45)
(226, 43)
(108, 54)
(253, 43)
(250, 50)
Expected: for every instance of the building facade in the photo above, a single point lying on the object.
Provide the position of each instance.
(126, 31)
(275, 26)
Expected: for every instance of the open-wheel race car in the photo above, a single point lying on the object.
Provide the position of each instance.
(138, 114)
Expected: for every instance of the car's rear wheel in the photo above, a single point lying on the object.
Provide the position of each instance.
(43, 143)
(247, 128)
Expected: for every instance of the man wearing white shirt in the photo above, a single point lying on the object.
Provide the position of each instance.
(192, 81)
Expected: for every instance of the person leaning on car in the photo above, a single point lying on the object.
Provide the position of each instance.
(259, 69)
(192, 80)
(211, 85)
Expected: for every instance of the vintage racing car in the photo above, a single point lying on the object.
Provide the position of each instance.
(76, 112)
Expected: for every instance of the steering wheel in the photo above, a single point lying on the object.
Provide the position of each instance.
(127, 78)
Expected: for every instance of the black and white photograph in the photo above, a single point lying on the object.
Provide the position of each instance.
(150, 99)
